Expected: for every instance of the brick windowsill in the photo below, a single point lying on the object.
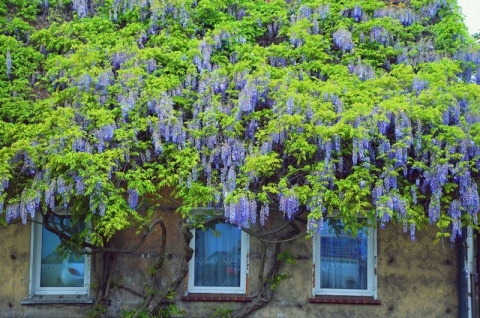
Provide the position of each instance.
(347, 300)
(216, 297)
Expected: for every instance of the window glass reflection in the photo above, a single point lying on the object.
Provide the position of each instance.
(57, 271)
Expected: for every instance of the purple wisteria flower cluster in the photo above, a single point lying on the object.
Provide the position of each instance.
(288, 204)
(430, 10)
(404, 15)
(244, 212)
(356, 13)
(342, 38)
(380, 35)
(362, 70)
(81, 7)
(8, 63)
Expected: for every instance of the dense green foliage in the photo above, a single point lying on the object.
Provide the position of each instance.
(341, 109)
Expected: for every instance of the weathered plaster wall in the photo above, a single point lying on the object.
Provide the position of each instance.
(415, 279)
(14, 269)
(15, 279)
(133, 270)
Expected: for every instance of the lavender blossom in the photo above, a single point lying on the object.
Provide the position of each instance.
(455, 209)
(364, 71)
(29, 167)
(456, 230)
(264, 212)
(413, 193)
(238, 213)
(13, 212)
(84, 83)
(81, 7)
(470, 199)
(231, 182)
(323, 11)
(79, 145)
(61, 187)
(251, 129)
(132, 198)
(23, 214)
(288, 204)
(327, 147)
(357, 13)
(248, 98)
(377, 193)
(355, 143)
(50, 195)
(118, 59)
(102, 208)
(430, 10)
(380, 35)
(151, 66)
(157, 144)
(412, 232)
(391, 181)
(79, 185)
(337, 140)
(342, 38)
(442, 174)
(3, 185)
(8, 63)
(419, 85)
(434, 208)
(384, 219)
(315, 225)
(404, 15)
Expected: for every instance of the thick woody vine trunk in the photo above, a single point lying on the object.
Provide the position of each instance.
(265, 289)
(156, 300)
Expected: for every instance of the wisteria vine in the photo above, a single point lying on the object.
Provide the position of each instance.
(245, 115)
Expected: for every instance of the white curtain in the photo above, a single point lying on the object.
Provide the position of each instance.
(217, 256)
(343, 259)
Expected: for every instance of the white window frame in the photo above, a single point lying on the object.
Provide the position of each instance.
(242, 289)
(35, 268)
(371, 290)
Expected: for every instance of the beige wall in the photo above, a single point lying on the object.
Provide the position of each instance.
(15, 278)
(415, 279)
(14, 268)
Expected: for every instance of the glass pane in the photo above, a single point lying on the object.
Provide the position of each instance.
(343, 259)
(57, 271)
(217, 256)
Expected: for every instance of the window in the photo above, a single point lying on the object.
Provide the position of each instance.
(219, 262)
(344, 264)
(52, 273)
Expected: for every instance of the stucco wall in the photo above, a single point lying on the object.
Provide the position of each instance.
(14, 268)
(15, 279)
(415, 279)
